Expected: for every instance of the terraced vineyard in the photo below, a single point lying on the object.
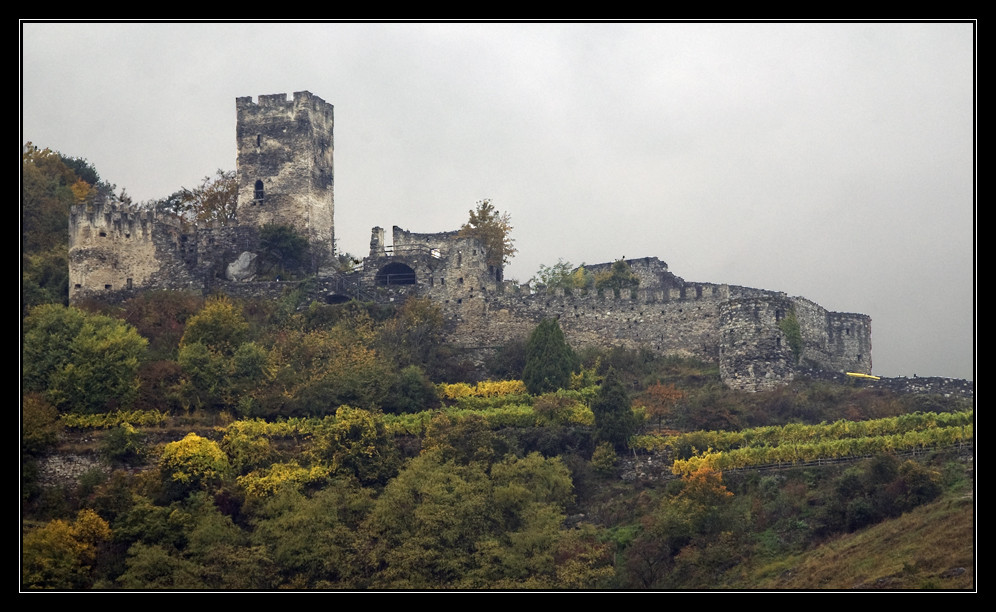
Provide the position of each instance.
(798, 443)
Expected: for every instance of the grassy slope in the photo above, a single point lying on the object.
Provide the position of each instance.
(922, 549)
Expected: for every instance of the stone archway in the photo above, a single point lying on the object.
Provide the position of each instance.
(395, 273)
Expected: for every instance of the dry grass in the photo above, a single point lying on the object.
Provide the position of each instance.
(931, 547)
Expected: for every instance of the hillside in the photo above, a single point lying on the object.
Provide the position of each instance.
(930, 547)
(249, 426)
(176, 440)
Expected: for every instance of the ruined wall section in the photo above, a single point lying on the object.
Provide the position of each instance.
(814, 324)
(443, 266)
(114, 248)
(834, 341)
(754, 353)
(218, 246)
(652, 272)
(849, 342)
(285, 167)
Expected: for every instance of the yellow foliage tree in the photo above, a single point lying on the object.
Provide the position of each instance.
(194, 462)
(59, 555)
(493, 229)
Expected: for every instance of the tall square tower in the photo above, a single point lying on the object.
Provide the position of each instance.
(284, 166)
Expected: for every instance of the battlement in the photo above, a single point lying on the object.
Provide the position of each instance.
(272, 101)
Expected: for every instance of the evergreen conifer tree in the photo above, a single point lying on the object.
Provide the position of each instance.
(549, 359)
(614, 419)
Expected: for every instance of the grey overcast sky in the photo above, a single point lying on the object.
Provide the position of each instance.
(829, 160)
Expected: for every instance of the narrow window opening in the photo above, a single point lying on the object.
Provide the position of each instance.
(103, 234)
(107, 286)
(129, 283)
(259, 140)
(259, 191)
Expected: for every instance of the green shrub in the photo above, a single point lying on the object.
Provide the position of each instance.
(603, 460)
(123, 444)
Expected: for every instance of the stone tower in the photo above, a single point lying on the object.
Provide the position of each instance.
(284, 165)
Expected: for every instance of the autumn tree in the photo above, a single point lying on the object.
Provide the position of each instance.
(661, 400)
(214, 199)
(413, 335)
(218, 364)
(316, 541)
(357, 443)
(493, 228)
(220, 326)
(697, 515)
(563, 275)
(60, 555)
(48, 188)
(50, 184)
(317, 371)
(161, 316)
(193, 463)
(40, 424)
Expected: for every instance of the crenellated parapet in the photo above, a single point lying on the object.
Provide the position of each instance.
(115, 247)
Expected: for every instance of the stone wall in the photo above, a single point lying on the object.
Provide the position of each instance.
(932, 385)
(738, 327)
(652, 272)
(443, 266)
(755, 353)
(642, 318)
(114, 247)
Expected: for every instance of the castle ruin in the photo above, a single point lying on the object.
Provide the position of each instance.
(285, 175)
